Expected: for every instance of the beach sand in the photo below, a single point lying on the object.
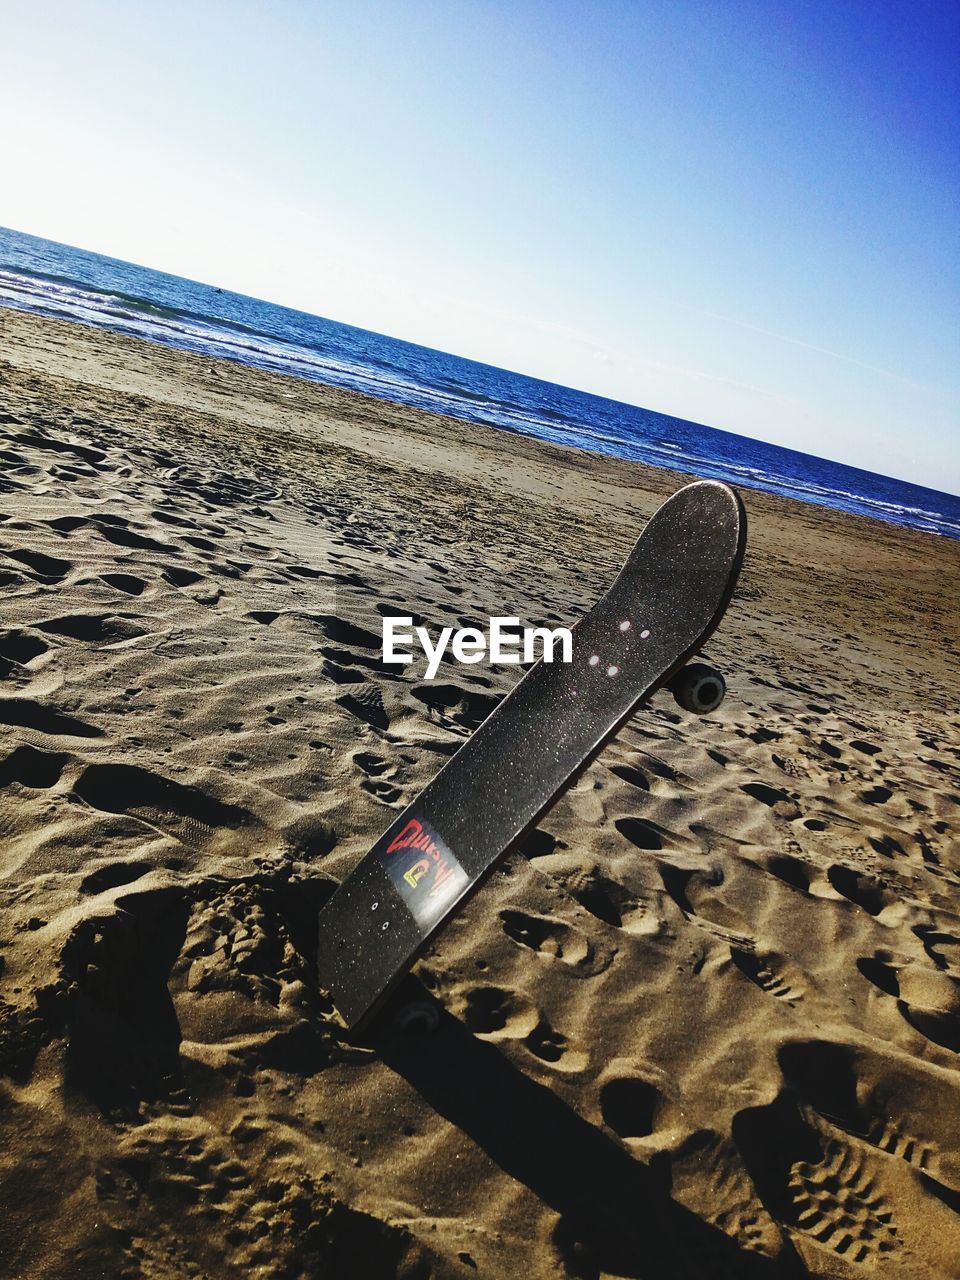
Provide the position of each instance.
(705, 1023)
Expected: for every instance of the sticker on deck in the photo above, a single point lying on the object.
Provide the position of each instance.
(423, 870)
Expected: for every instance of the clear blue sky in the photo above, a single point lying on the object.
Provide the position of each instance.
(742, 212)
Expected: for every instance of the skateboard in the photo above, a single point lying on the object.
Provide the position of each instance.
(664, 604)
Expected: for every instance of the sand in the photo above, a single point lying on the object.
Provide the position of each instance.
(705, 1023)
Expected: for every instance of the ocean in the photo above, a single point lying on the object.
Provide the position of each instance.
(52, 279)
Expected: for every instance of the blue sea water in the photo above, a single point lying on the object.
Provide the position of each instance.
(54, 280)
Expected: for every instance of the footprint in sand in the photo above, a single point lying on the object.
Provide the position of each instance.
(539, 843)
(498, 1014)
(942, 948)
(32, 768)
(632, 776)
(48, 568)
(341, 631)
(555, 939)
(776, 799)
(861, 888)
(837, 1202)
(643, 834)
(114, 530)
(455, 706)
(168, 517)
(125, 582)
(340, 674)
(552, 1047)
(93, 628)
(792, 871)
(21, 647)
(200, 544)
(113, 875)
(601, 895)
(26, 713)
(927, 998)
(365, 701)
(377, 773)
(178, 577)
(66, 524)
(303, 571)
(853, 1088)
(185, 813)
(383, 791)
(372, 765)
(40, 440)
(767, 795)
(629, 1105)
(767, 971)
(815, 1183)
(706, 1161)
(876, 795)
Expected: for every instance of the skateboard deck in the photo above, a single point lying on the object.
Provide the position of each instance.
(664, 604)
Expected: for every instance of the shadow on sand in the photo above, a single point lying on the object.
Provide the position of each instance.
(613, 1209)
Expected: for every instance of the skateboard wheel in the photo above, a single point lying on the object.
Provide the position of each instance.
(417, 1017)
(698, 688)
